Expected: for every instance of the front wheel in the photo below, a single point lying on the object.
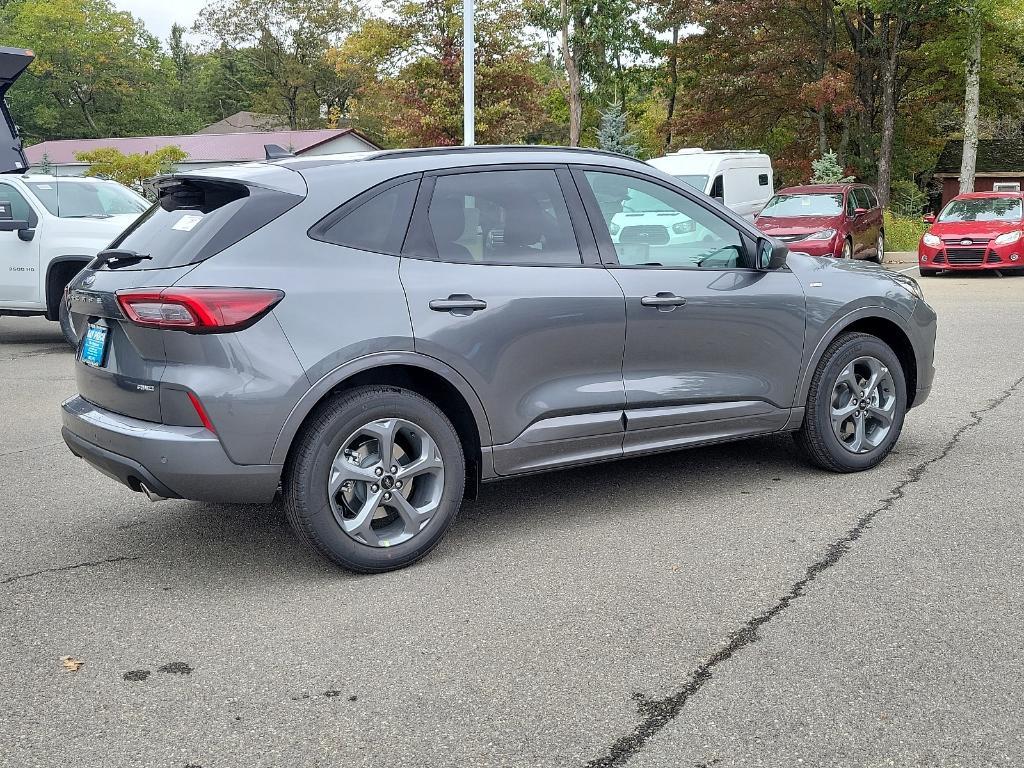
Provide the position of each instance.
(880, 248)
(375, 479)
(856, 404)
(67, 327)
(847, 252)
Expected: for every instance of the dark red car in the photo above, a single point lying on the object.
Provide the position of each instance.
(840, 220)
(976, 230)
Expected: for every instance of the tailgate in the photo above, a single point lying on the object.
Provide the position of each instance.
(126, 379)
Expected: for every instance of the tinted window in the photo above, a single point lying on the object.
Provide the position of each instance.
(377, 225)
(871, 197)
(851, 203)
(194, 219)
(804, 205)
(650, 225)
(718, 188)
(861, 199)
(762, 179)
(20, 209)
(503, 217)
(82, 199)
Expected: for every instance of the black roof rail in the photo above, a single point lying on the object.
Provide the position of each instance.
(485, 148)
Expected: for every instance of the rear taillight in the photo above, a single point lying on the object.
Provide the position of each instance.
(197, 310)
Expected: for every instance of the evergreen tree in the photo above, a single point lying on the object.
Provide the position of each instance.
(612, 135)
(827, 170)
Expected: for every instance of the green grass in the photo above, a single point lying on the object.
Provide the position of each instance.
(902, 233)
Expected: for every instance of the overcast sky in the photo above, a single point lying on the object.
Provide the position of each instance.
(159, 15)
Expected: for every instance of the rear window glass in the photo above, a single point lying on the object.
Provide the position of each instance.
(194, 219)
(377, 225)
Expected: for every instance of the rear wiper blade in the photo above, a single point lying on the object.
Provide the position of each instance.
(115, 256)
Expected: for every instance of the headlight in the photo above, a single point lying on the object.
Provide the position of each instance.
(932, 241)
(1009, 237)
(909, 284)
(825, 234)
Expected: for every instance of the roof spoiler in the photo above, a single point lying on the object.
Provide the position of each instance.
(13, 61)
(275, 152)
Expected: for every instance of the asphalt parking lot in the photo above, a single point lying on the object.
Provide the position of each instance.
(729, 606)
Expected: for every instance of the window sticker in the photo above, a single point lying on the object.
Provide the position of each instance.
(187, 222)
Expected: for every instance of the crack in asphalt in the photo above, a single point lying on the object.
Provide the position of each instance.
(29, 450)
(658, 713)
(89, 564)
(55, 350)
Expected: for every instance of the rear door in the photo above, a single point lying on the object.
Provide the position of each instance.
(194, 219)
(20, 277)
(713, 346)
(504, 284)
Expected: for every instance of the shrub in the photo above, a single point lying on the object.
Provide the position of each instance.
(903, 233)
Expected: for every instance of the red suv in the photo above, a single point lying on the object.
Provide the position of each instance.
(976, 230)
(840, 220)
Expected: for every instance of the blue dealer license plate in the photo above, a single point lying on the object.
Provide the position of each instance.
(94, 347)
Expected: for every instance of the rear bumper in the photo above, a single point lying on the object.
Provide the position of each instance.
(176, 462)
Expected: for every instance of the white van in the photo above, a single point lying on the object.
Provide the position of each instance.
(741, 179)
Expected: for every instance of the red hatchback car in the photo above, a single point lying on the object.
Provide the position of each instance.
(841, 220)
(976, 230)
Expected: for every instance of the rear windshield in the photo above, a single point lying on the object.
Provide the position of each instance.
(698, 182)
(820, 204)
(86, 199)
(983, 209)
(195, 218)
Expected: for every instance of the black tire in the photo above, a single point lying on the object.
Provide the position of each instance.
(927, 272)
(304, 484)
(816, 436)
(66, 326)
(847, 251)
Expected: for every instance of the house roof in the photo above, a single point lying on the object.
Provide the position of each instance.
(200, 147)
(248, 122)
(994, 156)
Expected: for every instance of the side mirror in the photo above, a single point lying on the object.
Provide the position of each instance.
(771, 254)
(26, 235)
(929, 218)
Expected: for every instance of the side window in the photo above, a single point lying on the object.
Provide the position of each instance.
(862, 199)
(650, 225)
(762, 180)
(872, 199)
(377, 225)
(502, 217)
(718, 188)
(20, 209)
(851, 203)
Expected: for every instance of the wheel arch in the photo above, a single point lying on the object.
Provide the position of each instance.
(425, 375)
(59, 272)
(875, 321)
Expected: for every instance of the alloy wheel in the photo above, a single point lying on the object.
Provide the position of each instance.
(386, 482)
(847, 252)
(880, 248)
(863, 405)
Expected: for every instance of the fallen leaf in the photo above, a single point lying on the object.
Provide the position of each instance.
(71, 664)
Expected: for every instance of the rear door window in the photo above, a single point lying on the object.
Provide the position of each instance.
(861, 198)
(718, 188)
(20, 209)
(196, 218)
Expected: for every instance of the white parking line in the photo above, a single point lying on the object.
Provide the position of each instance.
(908, 269)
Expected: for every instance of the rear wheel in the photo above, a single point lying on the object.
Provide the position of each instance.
(856, 404)
(880, 247)
(375, 479)
(66, 326)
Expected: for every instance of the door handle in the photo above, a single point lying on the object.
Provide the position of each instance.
(458, 304)
(665, 302)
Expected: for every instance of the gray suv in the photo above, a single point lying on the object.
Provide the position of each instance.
(376, 335)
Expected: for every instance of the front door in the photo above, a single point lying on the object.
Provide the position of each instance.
(713, 346)
(20, 280)
(500, 288)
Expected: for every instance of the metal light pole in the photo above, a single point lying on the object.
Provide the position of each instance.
(468, 75)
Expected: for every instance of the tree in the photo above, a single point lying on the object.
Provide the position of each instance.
(97, 71)
(828, 170)
(290, 40)
(612, 135)
(131, 170)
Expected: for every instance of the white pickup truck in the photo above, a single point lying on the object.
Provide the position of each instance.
(50, 227)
